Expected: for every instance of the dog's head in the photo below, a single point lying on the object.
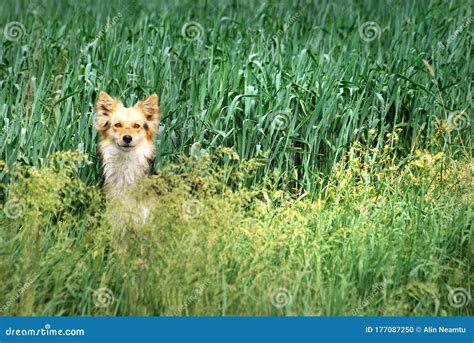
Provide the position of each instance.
(127, 127)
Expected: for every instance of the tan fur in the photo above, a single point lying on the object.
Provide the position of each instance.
(124, 164)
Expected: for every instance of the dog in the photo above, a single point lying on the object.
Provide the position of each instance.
(126, 149)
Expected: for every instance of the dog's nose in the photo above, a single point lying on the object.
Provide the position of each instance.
(127, 139)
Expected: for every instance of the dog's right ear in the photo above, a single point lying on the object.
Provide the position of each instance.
(105, 107)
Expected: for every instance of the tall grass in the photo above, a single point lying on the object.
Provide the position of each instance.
(386, 243)
(224, 88)
(348, 189)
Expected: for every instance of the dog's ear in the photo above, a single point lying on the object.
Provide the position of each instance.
(151, 111)
(104, 108)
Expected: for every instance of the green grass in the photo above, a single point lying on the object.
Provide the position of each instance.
(352, 192)
(389, 243)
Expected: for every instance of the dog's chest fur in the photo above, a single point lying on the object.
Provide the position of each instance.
(122, 169)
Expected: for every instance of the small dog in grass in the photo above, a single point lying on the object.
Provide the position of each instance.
(126, 148)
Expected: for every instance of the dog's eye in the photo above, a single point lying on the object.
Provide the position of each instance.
(136, 126)
(118, 125)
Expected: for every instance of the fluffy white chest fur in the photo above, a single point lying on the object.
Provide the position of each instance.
(122, 169)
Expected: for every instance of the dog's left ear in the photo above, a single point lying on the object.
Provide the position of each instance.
(150, 109)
